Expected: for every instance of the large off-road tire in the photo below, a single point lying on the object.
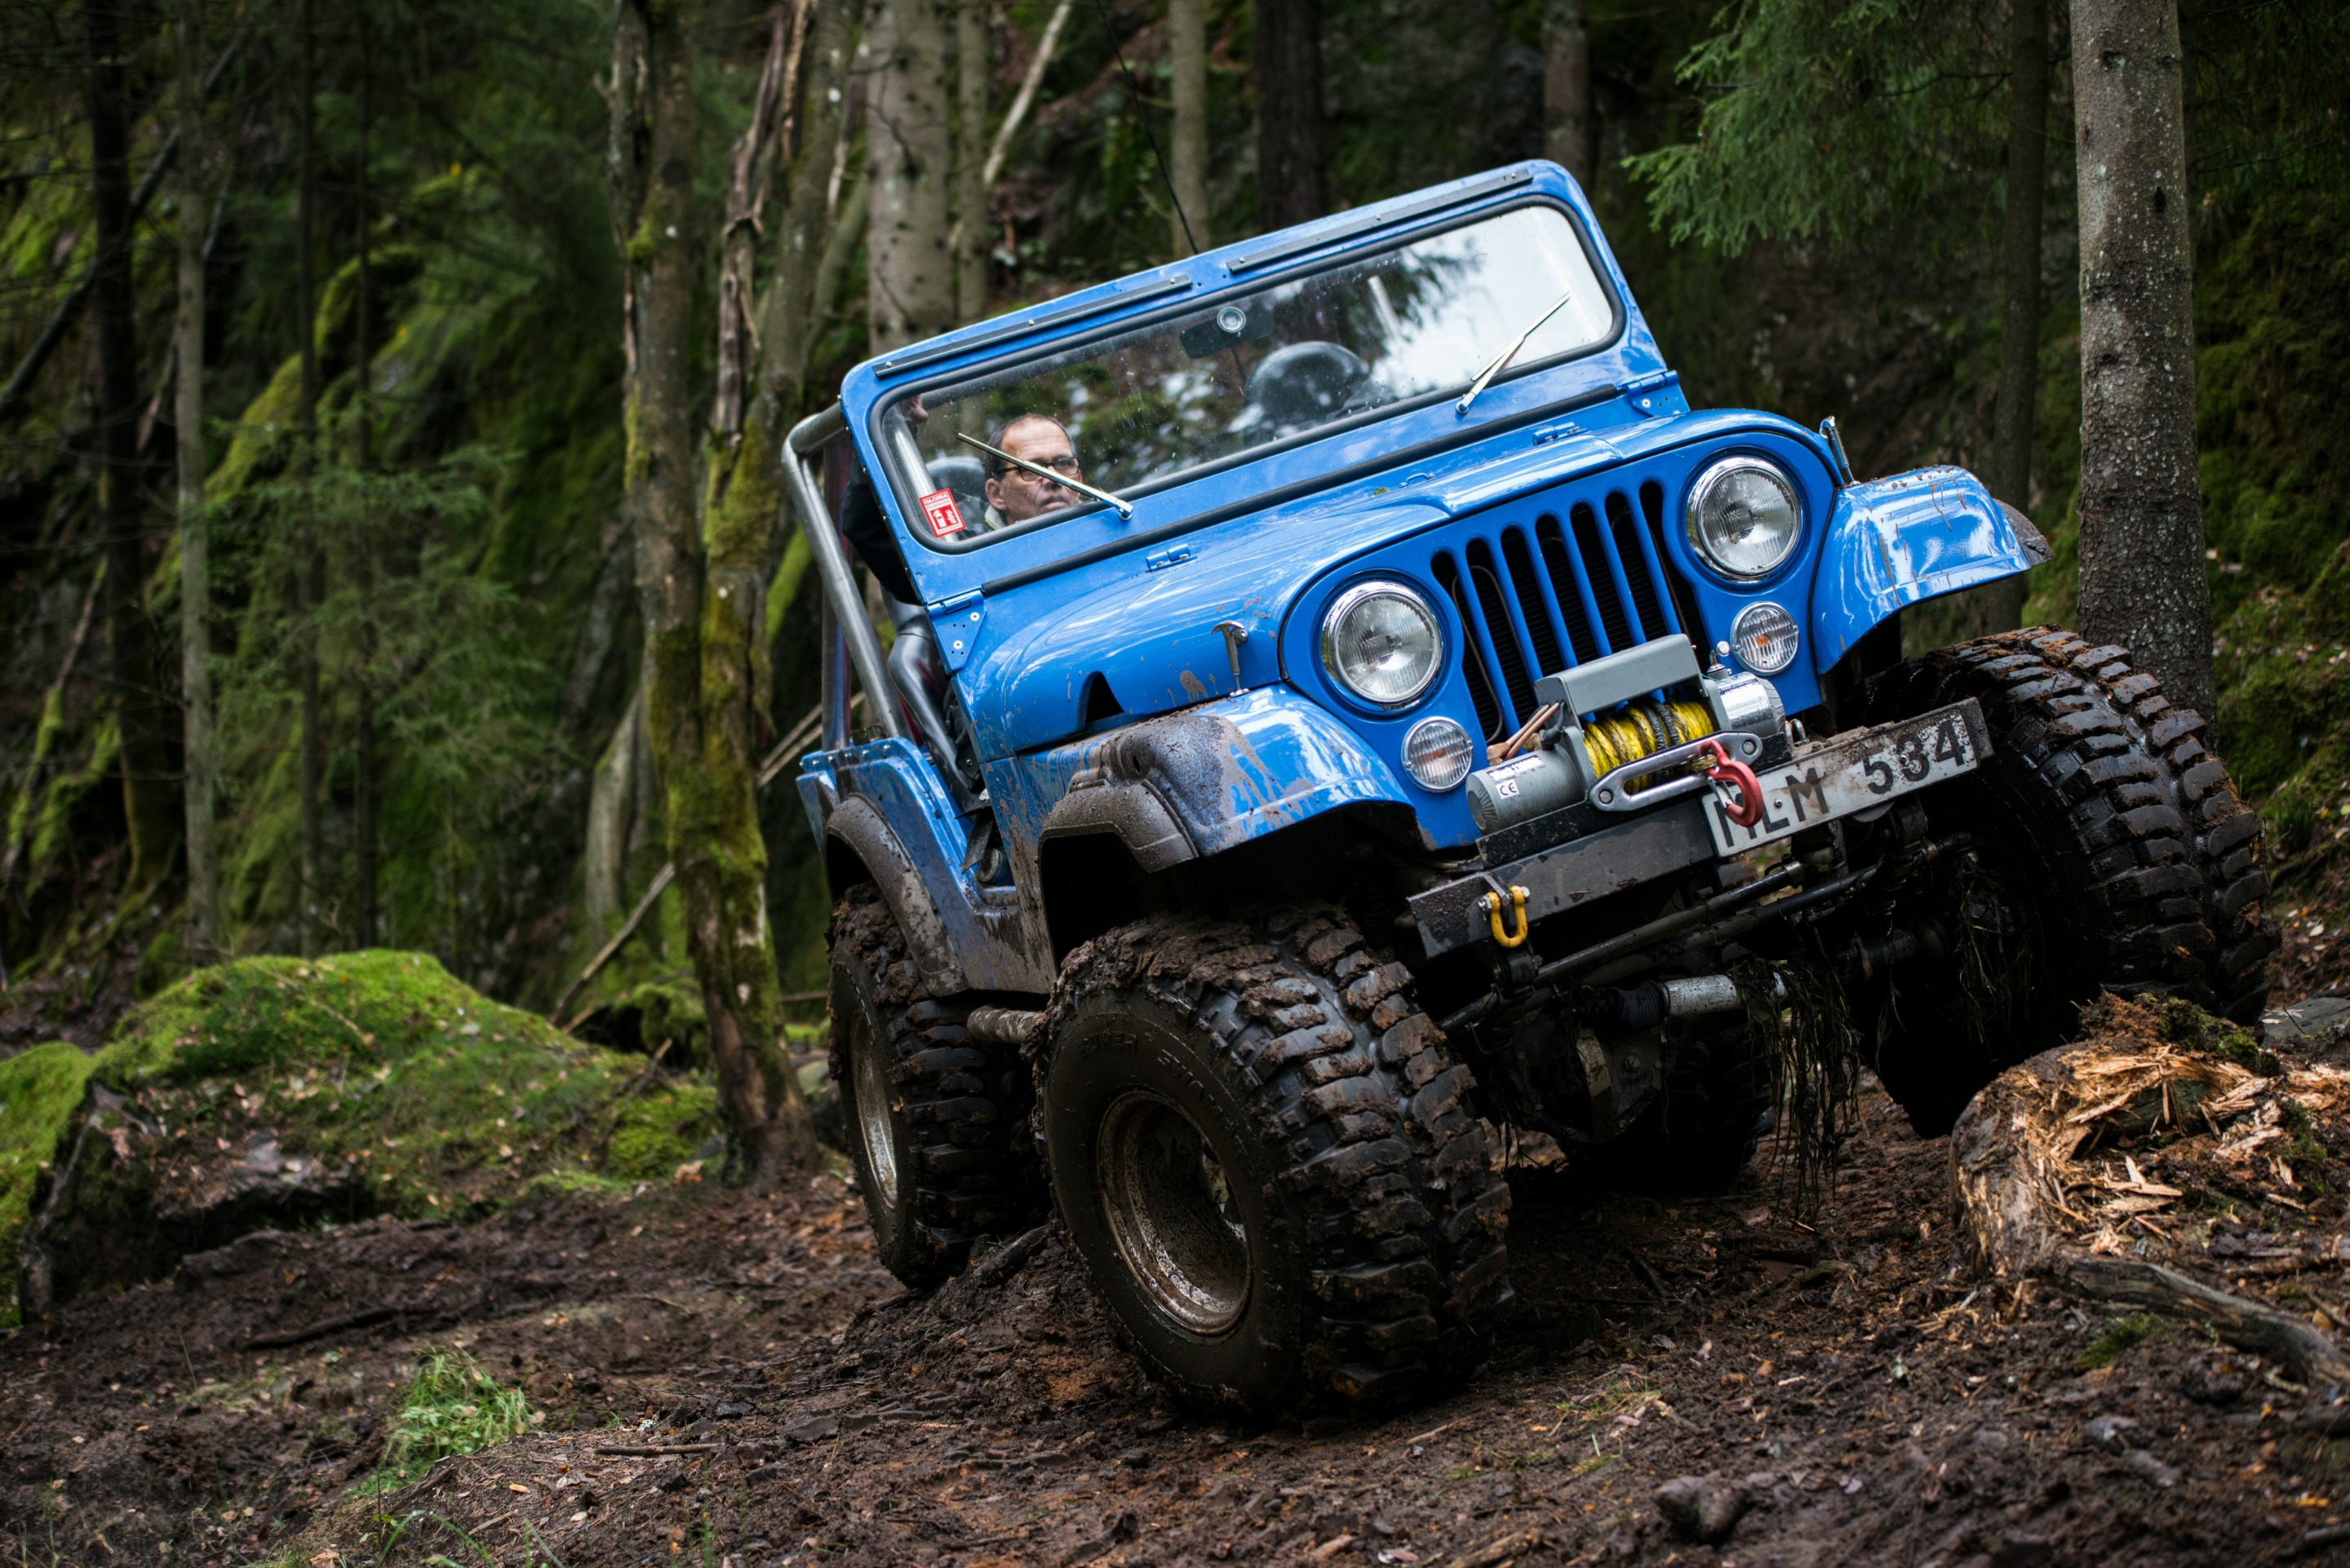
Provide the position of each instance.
(2111, 853)
(936, 1118)
(1263, 1151)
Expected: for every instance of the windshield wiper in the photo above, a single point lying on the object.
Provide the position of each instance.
(1494, 366)
(1125, 507)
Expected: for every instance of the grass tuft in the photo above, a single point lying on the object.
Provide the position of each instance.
(453, 1408)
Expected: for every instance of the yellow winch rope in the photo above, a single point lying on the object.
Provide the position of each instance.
(1642, 730)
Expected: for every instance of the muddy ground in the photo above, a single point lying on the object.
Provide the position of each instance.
(1846, 1384)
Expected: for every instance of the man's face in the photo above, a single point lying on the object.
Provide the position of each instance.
(1017, 494)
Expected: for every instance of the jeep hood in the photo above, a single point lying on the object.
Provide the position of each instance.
(1138, 634)
(1049, 659)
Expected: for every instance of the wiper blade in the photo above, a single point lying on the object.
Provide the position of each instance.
(1125, 507)
(1494, 366)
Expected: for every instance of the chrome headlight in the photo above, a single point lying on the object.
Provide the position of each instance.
(1382, 642)
(1744, 517)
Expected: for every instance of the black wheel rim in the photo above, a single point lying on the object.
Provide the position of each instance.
(1171, 1212)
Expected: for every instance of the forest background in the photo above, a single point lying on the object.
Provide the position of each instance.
(422, 552)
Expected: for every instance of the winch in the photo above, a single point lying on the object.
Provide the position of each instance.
(1599, 723)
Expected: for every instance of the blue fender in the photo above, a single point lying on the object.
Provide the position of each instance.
(1193, 783)
(886, 804)
(1918, 535)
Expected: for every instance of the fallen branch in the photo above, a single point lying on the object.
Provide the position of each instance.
(652, 1450)
(785, 749)
(661, 881)
(1024, 97)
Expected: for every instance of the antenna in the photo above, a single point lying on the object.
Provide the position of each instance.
(1143, 114)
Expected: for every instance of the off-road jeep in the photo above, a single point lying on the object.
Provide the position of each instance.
(1416, 723)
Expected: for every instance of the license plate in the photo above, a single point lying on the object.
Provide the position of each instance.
(1856, 773)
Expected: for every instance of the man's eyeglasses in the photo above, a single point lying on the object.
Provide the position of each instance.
(1066, 465)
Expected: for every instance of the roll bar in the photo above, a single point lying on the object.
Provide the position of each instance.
(840, 593)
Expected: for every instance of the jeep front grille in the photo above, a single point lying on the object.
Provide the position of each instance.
(1555, 580)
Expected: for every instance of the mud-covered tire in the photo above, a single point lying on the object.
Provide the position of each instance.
(2104, 816)
(934, 1118)
(1333, 1228)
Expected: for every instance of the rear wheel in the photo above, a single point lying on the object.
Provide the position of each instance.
(936, 1118)
(2109, 851)
(1262, 1151)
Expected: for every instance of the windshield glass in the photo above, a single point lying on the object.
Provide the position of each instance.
(1246, 372)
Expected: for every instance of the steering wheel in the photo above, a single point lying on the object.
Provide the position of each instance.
(1305, 383)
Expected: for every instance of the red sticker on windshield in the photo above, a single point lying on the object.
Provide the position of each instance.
(944, 517)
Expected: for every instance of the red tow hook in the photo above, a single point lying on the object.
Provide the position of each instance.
(1728, 770)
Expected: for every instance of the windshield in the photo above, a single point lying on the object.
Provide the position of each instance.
(1302, 356)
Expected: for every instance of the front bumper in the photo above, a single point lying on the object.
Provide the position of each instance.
(1677, 835)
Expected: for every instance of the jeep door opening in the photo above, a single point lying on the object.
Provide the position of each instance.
(1419, 720)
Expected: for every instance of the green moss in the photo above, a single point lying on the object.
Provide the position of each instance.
(443, 1101)
(38, 1091)
(669, 1011)
(2116, 1342)
(658, 1132)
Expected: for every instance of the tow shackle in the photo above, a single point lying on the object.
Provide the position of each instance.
(1492, 904)
(1729, 774)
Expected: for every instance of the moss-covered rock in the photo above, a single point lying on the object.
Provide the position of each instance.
(282, 1091)
(38, 1091)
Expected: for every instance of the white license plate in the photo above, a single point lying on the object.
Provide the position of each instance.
(1856, 773)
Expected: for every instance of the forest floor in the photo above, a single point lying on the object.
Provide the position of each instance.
(731, 1381)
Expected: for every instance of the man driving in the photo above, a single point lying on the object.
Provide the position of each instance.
(1017, 493)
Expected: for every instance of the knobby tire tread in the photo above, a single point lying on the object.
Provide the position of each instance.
(1353, 1086)
(967, 1099)
(2170, 851)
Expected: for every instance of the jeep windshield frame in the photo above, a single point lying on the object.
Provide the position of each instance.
(1515, 260)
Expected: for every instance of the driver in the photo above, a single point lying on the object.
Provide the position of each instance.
(1017, 494)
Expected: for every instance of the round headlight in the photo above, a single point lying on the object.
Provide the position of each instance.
(1765, 637)
(1744, 517)
(1380, 641)
(1437, 754)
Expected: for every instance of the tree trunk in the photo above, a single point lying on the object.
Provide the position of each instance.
(2019, 319)
(1289, 178)
(1187, 60)
(147, 771)
(310, 577)
(2142, 575)
(974, 58)
(699, 645)
(911, 281)
(1570, 130)
(813, 217)
(366, 786)
(195, 583)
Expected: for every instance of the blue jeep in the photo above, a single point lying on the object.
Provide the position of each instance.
(1348, 712)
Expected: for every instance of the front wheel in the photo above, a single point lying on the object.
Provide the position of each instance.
(1260, 1150)
(2109, 851)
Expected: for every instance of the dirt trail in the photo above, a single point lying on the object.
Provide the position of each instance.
(1846, 1386)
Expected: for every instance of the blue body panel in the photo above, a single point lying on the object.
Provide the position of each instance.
(1268, 543)
(1893, 541)
(987, 926)
(1276, 759)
